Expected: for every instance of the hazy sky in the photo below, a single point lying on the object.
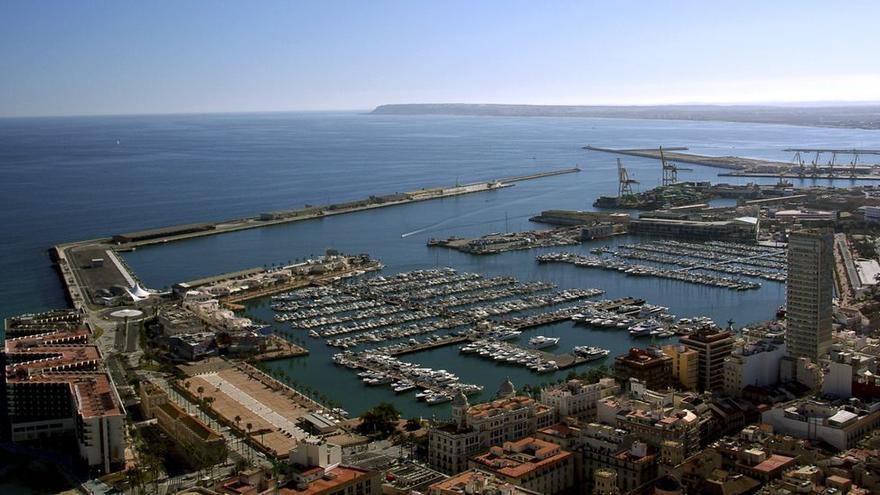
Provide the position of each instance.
(107, 57)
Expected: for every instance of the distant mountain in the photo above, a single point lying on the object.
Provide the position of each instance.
(857, 116)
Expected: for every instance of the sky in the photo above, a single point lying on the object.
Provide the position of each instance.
(69, 57)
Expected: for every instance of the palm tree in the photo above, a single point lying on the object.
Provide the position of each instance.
(249, 428)
(237, 420)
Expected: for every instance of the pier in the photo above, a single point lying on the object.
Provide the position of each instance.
(728, 162)
(161, 235)
(89, 266)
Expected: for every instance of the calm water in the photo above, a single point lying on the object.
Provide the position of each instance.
(74, 178)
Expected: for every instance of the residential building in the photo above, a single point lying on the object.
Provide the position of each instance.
(842, 427)
(316, 469)
(754, 363)
(809, 293)
(476, 428)
(577, 398)
(685, 365)
(197, 438)
(605, 482)
(605, 447)
(712, 346)
(650, 366)
(850, 374)
(658, 425)
(476, 482)
(530, 463)
(56, 387)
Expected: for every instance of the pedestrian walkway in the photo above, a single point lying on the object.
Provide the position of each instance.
(285, 425)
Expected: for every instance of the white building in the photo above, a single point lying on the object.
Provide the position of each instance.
(872, 213)
(577, 398)
(755, 363)
(840, 427)
(312, 452)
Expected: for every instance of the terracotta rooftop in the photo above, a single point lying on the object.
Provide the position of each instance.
(773, 463)
(499, 406)
(459, 483)
(341, 475)
(64, 356)
(520, 458)
(560, 430)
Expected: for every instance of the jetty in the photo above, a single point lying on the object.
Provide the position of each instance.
(728, 162)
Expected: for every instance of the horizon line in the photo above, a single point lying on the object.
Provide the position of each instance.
(779, 104)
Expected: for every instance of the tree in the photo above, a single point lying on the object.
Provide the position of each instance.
(249, 428)
(380, 419)
(413, 424)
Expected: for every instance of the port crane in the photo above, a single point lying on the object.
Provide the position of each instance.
(670, 170)
(817, 156)
(624, 183)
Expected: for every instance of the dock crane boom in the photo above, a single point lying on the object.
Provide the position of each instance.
(670, 170)
(624, 183)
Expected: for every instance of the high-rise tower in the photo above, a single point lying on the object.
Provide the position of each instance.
(808, 298)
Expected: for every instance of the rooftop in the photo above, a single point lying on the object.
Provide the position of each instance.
(500, 406)
(520, 458)
(63, 356)
(467, 481)
(331, 481)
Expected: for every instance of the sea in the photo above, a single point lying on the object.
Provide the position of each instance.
(74, 178)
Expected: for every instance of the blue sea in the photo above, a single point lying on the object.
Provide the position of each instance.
(66, 179)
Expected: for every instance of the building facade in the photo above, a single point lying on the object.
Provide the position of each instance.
(530, 463)
(650, 366)
(479, 427)
(755, 364)
(577, 398)
(712, 346)
(809, 292)
(56, 387)
(685, 365)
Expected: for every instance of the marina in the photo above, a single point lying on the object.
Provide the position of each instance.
(639, 270)
(381, 309)
(378, 232)
(734, 259)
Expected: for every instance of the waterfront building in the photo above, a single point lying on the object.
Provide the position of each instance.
(56, 387)
(842, 427)
(738, 229)
(685, 365)
(476, 482)
(650, 366)
(577, 398)
(712, 346)
(755, 364)
(809, 293)
(476, 428)
(530, 463)
(316, 469)
(193, 346)
(197, 438)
